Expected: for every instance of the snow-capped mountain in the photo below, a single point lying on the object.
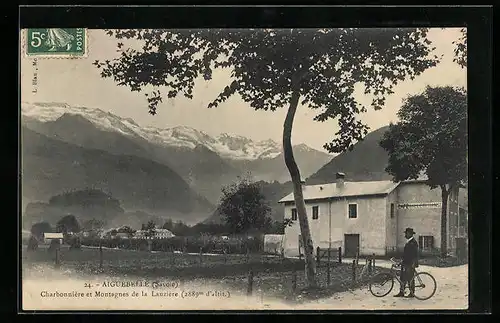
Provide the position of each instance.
(225, 145)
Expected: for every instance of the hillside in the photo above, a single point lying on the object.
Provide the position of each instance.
(51, 166)
(85, 205)
(365, 162)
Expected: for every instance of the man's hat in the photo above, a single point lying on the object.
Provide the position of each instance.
(409, 230)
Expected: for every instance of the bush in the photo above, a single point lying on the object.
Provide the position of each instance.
(184, 244)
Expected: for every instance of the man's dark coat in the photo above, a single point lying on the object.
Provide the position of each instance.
(410, 260)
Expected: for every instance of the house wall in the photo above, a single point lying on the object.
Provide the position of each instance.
(425, 220)
(319, 228)
(378, 231)
(369, 225)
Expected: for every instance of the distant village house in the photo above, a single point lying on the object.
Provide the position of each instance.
(157, 234)
(49, 236)
(370, 217)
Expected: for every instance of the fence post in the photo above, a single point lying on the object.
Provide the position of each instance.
(373, 261)
(318, 255)
(248, 256)
(328, 273)
(250, 282)
(357, 256)
(100, 256)
(57, 258)
(294, 280)
(340, 255)
(201, 255)
(354, 271)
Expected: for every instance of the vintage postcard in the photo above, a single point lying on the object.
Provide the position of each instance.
(258, 169)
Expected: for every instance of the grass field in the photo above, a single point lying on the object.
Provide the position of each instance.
(273, 276)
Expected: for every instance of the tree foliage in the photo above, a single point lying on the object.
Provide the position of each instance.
(431, 137)
(244, 208)
(38, 229)
(68, 223)
(461, 49)
(93, 225)
(150, 228)
(323, 65)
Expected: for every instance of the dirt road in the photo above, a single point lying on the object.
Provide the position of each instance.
(40, 290)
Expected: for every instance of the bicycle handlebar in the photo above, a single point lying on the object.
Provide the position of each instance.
(395, 262)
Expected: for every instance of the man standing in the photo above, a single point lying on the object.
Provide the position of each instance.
(408, 264)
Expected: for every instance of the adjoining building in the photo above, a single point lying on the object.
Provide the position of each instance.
(370, 217)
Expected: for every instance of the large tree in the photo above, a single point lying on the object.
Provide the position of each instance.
(68, 223)
(38, 229)
(272, 69)
(150, 229)
(244, 208)
(431, 138)
(93, 225)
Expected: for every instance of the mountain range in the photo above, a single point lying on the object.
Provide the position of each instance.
(68, 147)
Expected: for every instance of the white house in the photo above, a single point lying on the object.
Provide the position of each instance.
(370, 217)
(49, 236)
(163, 234)
(158, 234)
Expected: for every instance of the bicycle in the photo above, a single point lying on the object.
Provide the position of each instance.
(387, 280)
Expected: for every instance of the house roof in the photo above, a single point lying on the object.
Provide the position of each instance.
(49, 235)
(326, 191)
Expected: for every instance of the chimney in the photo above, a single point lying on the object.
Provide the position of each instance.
(340, 180)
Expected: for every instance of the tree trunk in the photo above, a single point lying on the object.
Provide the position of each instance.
(310, 266)
(444, 220)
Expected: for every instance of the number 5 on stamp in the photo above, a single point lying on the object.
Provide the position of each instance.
(56, 42)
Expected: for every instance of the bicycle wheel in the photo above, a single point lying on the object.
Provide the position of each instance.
(425, 286)
(381, 284)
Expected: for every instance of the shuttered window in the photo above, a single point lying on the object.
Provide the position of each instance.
(392, 210)
(294, 214)
(315, 212)
(426, 243)
(353, 211)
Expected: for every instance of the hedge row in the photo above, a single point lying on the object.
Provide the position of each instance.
(184, 244)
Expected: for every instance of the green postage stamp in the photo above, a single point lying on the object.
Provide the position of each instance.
(56, 42)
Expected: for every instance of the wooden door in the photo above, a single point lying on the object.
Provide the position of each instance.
(351, 245)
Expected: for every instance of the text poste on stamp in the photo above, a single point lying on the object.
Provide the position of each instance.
(56, 42)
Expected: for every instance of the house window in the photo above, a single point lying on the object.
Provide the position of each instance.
(315, 212)
(294, 214)
(392, 210)
(353, 211)
(426, 243)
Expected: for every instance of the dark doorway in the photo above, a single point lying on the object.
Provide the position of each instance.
(351, 245)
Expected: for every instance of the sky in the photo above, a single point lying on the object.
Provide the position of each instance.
(77, 82)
